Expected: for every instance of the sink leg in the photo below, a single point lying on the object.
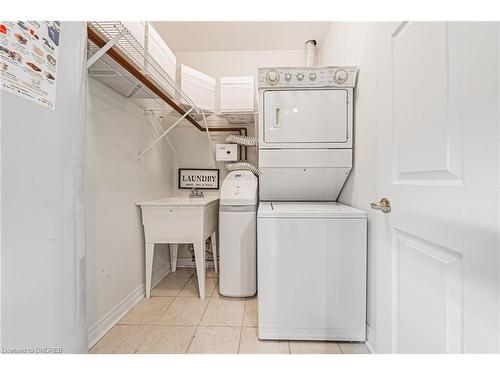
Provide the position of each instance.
(173, 256)
(199, 255)
(150, 249)
(213, 241)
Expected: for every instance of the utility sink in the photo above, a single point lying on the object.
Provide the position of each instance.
(180, 201)
(178, 220)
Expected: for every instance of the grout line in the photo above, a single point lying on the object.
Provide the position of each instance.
(176, 325)
(136, 324)
(239, 341)
(206, 308)
(144, 339)
(212, 326)
(181, 289)
(192, 338)
(340, 346)
(164, 311)
(198, 326)
(241, 326)
(163, 314)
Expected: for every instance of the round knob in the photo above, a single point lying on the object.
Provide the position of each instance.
(312, 76)
(300, 76)
(288, 76)
(272, 77)
(340, 76)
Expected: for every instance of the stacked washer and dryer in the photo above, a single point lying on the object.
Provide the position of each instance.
(311, 250)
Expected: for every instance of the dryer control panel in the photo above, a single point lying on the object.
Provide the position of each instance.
(298, 77)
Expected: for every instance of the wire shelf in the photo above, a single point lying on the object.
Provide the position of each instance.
(229, 116)
(119, 61)
(112, 74)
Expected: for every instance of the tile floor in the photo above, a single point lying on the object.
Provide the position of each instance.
(175, 321)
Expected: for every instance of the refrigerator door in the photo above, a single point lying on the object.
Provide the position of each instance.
(43, 210)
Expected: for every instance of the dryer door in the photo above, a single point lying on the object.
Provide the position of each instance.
(306, 116)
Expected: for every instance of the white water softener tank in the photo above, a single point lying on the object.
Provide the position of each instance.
(238, 235)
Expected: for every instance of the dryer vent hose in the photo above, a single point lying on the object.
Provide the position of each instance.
(242, 166)
(310, 51)
(242, 140)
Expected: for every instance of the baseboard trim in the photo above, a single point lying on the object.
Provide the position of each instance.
(107, 322)
(371, 340)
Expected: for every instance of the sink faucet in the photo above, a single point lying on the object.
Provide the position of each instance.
(195, 193)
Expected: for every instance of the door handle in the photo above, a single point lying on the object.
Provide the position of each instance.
(384, 205)
(277, 125)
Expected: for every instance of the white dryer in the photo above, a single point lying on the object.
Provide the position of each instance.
(311, 250)
(305, 132)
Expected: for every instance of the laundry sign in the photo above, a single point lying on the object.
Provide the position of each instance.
(198, 178)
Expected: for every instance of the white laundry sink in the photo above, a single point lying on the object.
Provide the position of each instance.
(181, 200)
(177, 220)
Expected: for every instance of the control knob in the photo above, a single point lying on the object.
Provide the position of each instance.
(312, 76)
(272, 77)
(288, 77)
(340, 76)
(300, 76)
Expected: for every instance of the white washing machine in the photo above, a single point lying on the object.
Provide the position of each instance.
(312, 271)
(311, 250)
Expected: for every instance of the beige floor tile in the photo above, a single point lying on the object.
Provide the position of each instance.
(168, 340)
(148, 311)
(184, 311)
(251, 313)
(224, 312)
(215, 340)
(191, 288)
(181, 273)
(191, 272)
(121, 340)
(169, 286)
(354, 348)
(211, 273)
(314, 347)
(250, 344)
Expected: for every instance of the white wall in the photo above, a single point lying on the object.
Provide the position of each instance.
(117, 131)
(353, 43)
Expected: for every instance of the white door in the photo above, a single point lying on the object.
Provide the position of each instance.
(438, 118)
(306, 116)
